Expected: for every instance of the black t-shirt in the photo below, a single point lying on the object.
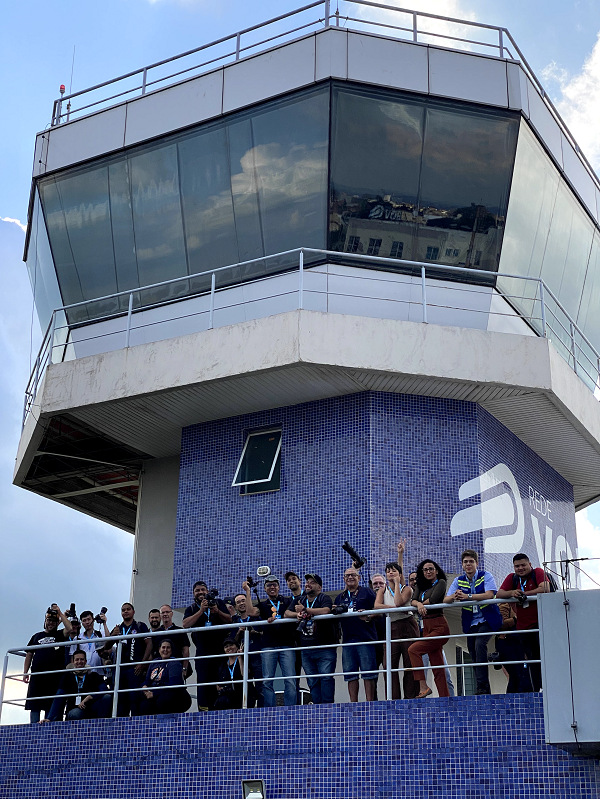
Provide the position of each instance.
(276, 635)
(208, 643)
(52, 658)
(178, 641)
(324, 631)
(354, 626)
(133, 648)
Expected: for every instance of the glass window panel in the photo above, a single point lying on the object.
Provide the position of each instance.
(375, 162)
(206, 199)
(258, 459)
(465, 180)
(157, 216)
(122, 226)
(40, 267)
(589, 312)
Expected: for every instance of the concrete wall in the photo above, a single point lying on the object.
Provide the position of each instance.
(485, 747)
(155, 535)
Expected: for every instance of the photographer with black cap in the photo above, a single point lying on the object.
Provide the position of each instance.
(309, 606)
(206, 611)
(42, 660)
(275, 636)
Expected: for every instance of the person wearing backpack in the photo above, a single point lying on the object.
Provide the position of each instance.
(478, 585)
(524, 582)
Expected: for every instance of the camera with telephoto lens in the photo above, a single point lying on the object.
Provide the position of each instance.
(97, 618)
(357, 561)
(52, 612)
(71, 613)
(211, 597)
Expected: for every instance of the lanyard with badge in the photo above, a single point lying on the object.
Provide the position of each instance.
(132, 642)
(351, 601)
(525, 603)
(428, 589)
(309, 628)
(275, 609)
(79, 689)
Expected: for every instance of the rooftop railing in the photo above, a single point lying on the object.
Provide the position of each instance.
(535, 304)
(363, 15)
(114, 669)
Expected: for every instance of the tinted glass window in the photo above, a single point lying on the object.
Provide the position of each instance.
(259, 466)
(429, 180)
(247, 186)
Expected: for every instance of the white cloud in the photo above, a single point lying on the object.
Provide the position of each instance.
(588, 544)
(579, 101)
(14, 221)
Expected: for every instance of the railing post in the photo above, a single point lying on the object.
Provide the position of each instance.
(424, 295)
(128, 330)
(573, 347)
(211, 314)
(144, 79)
(245, 667)
(415, 28)
(238, 46)
(500, 43)
(301, 281)
(388, 656)
(543, 306)
(117, 677)
(327, 10)
(3, 682)
(51, 338)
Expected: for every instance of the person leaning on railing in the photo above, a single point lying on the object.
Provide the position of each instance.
(134, 650)
(166, 674)
(42, 660)
(87, 703)
(430, 590)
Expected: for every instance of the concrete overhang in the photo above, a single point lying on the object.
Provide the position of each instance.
(140, 398)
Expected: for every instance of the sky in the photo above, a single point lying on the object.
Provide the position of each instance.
(51, 553)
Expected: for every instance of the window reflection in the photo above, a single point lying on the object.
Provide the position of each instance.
(238, 189)
(429, 181)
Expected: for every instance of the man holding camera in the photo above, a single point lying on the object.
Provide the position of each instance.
(527, 581)
(206, 611)
(358, 628)
(309, 606)
(42, 660)
(87, 639)
(275, 636)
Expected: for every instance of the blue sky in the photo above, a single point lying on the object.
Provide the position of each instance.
(51, 553)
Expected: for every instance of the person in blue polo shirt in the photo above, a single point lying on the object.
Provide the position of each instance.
(357, 627)
(477, 585)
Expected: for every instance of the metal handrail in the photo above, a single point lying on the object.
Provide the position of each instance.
(246, 652)
(44, 357)
(414, 32)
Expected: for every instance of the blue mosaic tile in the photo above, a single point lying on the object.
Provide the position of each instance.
(432, 749)
(368, 468)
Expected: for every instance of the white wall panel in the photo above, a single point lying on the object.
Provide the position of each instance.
(543, 121)
(332, 54)
(517, 88)
(40, 153)
(387, 62)
(578, 175)
(173, 108)
(468, 77)
(269, 74)
(86, 138)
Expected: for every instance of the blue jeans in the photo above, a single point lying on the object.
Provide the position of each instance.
(320, 661)
(287, 661)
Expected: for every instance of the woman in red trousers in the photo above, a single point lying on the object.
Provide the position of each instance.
(430, 590)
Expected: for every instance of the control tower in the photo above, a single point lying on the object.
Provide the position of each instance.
(337, 282)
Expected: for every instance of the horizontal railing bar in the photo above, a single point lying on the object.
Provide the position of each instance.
(426, 14)
(493, 45)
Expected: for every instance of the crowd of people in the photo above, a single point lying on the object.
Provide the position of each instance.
(155, 662)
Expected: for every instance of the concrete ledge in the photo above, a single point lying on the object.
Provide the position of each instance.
(143, 396)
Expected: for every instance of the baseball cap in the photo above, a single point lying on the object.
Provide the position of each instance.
(314, 577)
(271, 579)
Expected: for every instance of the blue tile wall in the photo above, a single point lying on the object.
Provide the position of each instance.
(368, 467)
(431, 749)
